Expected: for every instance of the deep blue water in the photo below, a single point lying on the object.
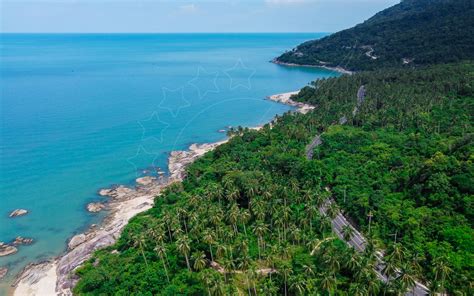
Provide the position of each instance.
(82, 112)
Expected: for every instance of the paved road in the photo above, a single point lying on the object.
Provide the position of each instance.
(357, 241)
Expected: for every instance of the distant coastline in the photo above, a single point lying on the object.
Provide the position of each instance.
(337, 69)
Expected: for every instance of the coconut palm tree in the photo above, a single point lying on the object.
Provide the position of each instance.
(140, 242)
(358, 289)
(244, 217)
(317, 244)
(260, 229)
(207, 278)
(161, 251)
(208, 238)
(244, 265)
(406, 278)
(332, 210)
(328, 282)
(199, 260)
(183, 245)
(442, 272)
(308, 270)
(347, 232)
(298, 284)
(285, 270)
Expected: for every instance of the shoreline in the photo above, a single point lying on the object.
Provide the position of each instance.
(56, 277)
(337, 69)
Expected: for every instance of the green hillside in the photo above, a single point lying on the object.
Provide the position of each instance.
(251, 205)
(247, 218)
(414, 32)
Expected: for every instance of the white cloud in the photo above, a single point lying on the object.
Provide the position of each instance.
(188, 7)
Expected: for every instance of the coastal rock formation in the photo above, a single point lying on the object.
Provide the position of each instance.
(105, 192)
(95, 207)
(18, 212)
(118, 192)
(76, 240)
(22, 241)
(3, 272)
(6, 249)
(58, 277)
(179, 160)
(145, 181)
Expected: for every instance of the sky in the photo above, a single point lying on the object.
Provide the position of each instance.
(177, 16)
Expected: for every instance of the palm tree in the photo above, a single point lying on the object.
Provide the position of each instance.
(184, 247)
(140, 242)
(332, 210)
(298, 284)
(308, 270)
(233, 215)
(199, 260)
(328, 282)
(332, 261)
(317, 244)
(260, 229)
(208, 238)
(406, 278)
(390, 268)
(347, 232)
(244, 265)
(358, 289)
(285, 270)
(207, 278)
(244, 218)
(161, 251)
(442, 272)
(397, 253)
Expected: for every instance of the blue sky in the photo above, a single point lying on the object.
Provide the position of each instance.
(185, 16)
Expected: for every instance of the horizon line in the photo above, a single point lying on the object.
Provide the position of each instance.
(151, 33)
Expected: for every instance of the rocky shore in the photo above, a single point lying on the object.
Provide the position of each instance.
(56, 277)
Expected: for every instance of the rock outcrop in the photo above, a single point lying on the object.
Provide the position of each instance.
(18, 212)
(3, 272)
(76, 240)
(95, 207)
(145, 181)
(22, 241)
(6, 249)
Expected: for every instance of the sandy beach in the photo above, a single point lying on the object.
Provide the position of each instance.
(285, 98)
(56, 276)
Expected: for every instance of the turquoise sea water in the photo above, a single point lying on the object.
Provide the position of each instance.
(83, 112)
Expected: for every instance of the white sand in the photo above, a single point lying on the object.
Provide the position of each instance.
(285, 98)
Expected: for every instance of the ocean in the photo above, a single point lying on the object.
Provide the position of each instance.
(80, 112)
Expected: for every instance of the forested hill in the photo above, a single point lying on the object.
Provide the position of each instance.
(414, 32)
(246, 218)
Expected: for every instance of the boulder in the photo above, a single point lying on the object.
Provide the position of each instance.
(6, 250)
(105, 192)
(145, 181)
(76, 241)
(22, 241)
(95, 207)
(18, 212)
(3, 272)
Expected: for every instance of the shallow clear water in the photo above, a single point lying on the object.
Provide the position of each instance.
(82, 112)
